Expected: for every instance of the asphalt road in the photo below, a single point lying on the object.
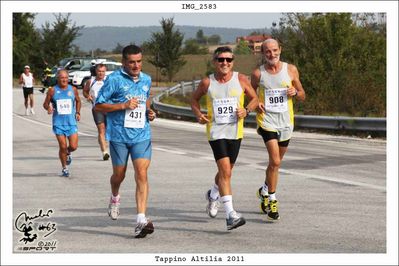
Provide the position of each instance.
(332, 193)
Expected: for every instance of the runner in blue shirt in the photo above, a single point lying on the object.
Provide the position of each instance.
(125, 97)
(63, 102)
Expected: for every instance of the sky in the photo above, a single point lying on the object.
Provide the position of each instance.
(230, 20)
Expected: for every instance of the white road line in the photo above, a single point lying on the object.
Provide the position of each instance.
(50, 126)
(170, 151)
(332, 179)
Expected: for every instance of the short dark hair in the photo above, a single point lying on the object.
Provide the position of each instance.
(100, 65)
(220, 50)
(130, 49)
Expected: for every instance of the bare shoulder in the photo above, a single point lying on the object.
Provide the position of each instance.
(292, 68)
(205, 82)
(243, 77)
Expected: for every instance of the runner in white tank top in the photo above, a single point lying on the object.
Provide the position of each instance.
(277, 84)
(27, 80)
(224, 92)
(90, 92)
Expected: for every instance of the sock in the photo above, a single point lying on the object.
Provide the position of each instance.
(228, 204)
(264, 190)
(215, 192)
(115, 198)
(141, 218)
(272, 196)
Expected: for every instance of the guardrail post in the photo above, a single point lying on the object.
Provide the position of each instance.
(182, 88)
(193, 84)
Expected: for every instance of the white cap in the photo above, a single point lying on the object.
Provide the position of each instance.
(26, 66)
(93, 62)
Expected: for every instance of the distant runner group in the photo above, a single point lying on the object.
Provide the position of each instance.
(121, 111)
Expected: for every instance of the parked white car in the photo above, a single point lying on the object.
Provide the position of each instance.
(81, 76)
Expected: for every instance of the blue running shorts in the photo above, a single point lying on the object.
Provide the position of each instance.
(120, 151)
(65, 130)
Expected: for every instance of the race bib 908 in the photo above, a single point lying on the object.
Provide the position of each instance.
(276, 100)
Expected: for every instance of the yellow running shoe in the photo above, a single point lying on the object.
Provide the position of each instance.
(264, 201)
(273, 211)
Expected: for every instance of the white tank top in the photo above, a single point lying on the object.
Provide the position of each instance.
(95, 86)
(28, 80)
(222, 102)
(279, 115)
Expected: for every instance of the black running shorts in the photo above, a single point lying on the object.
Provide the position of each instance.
(268, 135)
(225, 148)
(98, 117)
(27, 91)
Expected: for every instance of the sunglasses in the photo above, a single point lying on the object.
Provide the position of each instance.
(228, 59)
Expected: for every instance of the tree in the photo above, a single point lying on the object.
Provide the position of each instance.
(214, 39)
(242, 48)
(201, 38)
(192, 47)
(26, 43)
(58, 38)
(118, 49)
(166, 49)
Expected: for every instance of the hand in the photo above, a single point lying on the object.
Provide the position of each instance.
(90, 99)
(202, 119)
(241, 112)
(291, 91)
(77, 116)
(131, 104)
(261, 108)
(151, 114)
(50, 110)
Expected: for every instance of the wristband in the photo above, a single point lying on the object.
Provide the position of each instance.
(77, 113)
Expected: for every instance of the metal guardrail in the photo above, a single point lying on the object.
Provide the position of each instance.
(303, 121)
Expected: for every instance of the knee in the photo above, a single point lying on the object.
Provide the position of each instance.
(73, 147)
(141, 176)
(274, 164)
(225, 175)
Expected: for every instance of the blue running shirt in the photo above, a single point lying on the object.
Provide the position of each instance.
(119, 87)
(64, 104)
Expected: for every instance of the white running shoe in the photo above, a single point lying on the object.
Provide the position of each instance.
(113, 209)
(212, 206)
(32, 111)
(27, 111)
(143, 229)
(235, 220)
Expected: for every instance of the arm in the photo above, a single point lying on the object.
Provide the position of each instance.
(255, 80)
(195, 105)
(108, 107)
(21, 80)
(46, 104)
(296, 90)
(106, 93)
(86, 91)
(78, 103)
(151, 113)
(250, 93)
